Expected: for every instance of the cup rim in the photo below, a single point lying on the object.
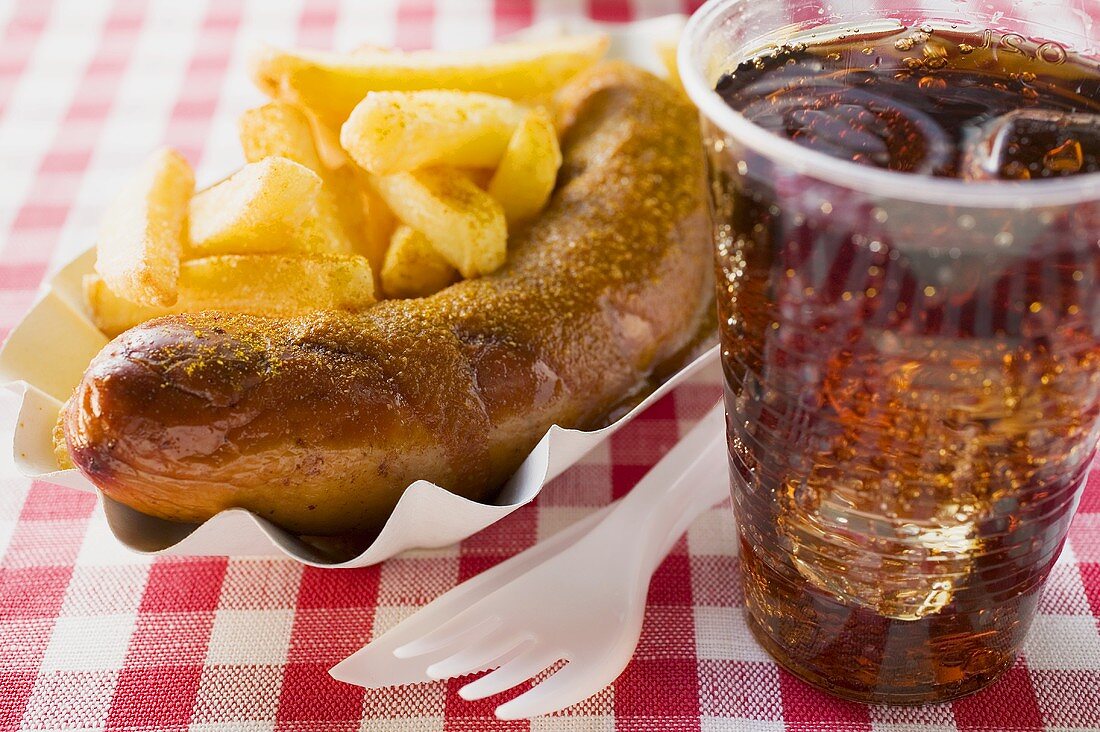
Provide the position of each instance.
(879, 183)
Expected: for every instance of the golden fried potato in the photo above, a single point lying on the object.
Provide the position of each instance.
(526, 175)
(278, 130)
(371, 48)
(390, 132)
(141, 235)
(666, 51)
(261, 284)
(319, 233)
(327, 137)
(332, 84)
(281, 130)
(303, 138)
(464, 223)
(113, 313)
(479, 176)
(379, 224)
(257, 209)
(413, 268)
(281, 284)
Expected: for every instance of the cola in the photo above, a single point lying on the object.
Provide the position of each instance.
(912, 369)
(929, 101)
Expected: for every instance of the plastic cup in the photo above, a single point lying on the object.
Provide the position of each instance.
(912, 371)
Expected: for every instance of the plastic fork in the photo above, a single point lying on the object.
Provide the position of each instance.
(578, 597)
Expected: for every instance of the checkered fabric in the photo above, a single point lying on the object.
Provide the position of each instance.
(94, 638)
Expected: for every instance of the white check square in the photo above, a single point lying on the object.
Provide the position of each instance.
(250, 637)
(714, 533)
(1064, 642)
(721, 633)
(736, 724)
(80, 644)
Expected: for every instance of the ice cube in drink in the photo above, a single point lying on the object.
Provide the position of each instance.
(1031, 144)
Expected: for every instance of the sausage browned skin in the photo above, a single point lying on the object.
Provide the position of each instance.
(319, 423)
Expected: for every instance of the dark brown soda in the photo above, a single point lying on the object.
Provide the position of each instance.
(919, 101)
(913, 391)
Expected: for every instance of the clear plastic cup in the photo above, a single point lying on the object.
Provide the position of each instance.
(912, 370)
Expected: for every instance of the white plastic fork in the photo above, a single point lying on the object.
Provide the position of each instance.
(580, 596)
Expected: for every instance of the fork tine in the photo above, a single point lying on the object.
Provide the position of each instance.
(476, 657)
(465, 627)
(513, 673)
(562, 689)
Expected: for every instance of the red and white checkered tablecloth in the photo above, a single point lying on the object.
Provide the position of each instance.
(94, 638)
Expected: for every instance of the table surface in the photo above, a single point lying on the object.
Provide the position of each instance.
(92, 637)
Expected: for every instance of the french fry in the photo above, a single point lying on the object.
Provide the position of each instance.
(257, 209)
(345, 196)
(480, 176)
(281, 284)
(390, 132)
(113, 313)
(327, 137)
(367, 225)
(278, 130)
(666, 51)
(332, 84)
(141, 235)
(464, 223)
(281, 130)
(371, 48)
(378, 226)
(275, 126)
(261, 284)
(319, 233)
(413, 268)
(526, 175)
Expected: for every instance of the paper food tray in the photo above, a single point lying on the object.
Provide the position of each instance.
(47, 352)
